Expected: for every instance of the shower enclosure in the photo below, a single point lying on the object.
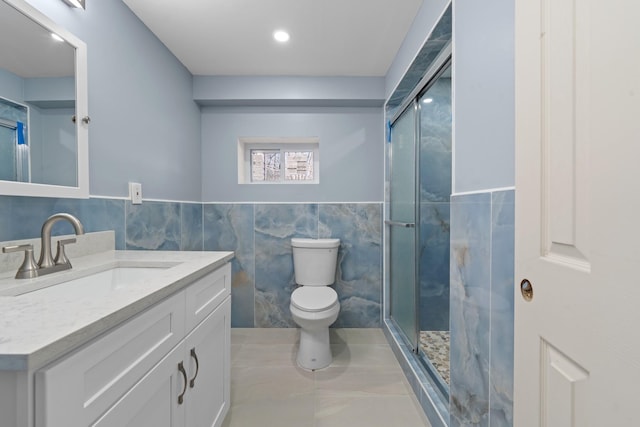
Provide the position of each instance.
(418, 222)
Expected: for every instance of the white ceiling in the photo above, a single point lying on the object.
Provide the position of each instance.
(234, 37)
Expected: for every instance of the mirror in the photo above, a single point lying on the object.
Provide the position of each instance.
(43, 88)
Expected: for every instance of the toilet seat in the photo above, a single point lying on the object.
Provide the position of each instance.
(314, 298)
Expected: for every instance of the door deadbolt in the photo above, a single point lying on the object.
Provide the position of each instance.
(526, 288)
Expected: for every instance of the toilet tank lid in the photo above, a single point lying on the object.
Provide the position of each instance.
(315, 243)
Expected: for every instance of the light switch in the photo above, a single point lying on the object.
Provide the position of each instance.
(135, 193)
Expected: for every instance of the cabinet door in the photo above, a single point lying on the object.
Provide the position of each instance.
(153, 401)
(207, 399)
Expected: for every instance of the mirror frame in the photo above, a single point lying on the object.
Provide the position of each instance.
(82, 110)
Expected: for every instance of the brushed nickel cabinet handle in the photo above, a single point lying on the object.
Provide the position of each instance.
(184, 376)
(192, 382)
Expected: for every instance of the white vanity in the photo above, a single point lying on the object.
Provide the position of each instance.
(126, 338)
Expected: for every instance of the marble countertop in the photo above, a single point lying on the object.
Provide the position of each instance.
(37, 328)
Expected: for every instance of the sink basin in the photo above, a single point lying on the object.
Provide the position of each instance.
(100, 283)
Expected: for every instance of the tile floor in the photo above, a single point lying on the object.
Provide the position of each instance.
(364, 386)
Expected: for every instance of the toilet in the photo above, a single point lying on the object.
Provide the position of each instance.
(314, 305)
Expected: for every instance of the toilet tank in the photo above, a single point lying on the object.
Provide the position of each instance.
(314, 261)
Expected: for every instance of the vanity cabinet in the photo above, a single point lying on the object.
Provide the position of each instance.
(167, 366)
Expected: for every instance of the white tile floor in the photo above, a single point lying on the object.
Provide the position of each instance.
(364, 386)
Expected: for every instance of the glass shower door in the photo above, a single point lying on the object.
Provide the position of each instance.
(434, 173)
(401, 223)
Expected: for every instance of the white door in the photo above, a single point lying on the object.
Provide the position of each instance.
(577, 345)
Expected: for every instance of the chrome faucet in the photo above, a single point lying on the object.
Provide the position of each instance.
(47, 264)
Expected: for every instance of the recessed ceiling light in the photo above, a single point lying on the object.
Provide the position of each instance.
(427, 100)
(75, 3)
(56, 37)
(281, 36)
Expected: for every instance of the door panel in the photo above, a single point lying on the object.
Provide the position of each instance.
(402, 248)
(577, 204)
(565, 142)
(564, 389)
(208, 399)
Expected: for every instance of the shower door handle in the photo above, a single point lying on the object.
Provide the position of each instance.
(400, 224)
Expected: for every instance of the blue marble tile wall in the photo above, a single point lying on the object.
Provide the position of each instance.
(482, 274)
(435, 190)
(230, 227)
(263, 268)
(150, 226)
(259, 234)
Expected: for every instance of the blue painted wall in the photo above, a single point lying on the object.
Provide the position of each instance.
(53, 161)
(289, 91)
(11, 86)
(483, 36)
(351, 152)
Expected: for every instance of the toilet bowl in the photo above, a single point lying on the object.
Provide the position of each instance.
(314, 305)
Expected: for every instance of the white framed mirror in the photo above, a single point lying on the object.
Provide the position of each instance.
(43, 89)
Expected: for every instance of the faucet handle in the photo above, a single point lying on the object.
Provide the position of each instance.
(61, 256)
(17, 248)
(29, 268)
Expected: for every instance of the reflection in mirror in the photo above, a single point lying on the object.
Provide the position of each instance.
(14, 144)
(42, 149)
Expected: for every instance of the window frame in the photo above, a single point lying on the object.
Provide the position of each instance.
(282, 144)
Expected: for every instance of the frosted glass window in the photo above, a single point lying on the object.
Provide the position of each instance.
(278, 160)
(265, 165)
(298, 165)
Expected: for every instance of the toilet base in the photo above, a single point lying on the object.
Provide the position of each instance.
(314, 351)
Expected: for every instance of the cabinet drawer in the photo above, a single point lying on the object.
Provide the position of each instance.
(98, 374)
(206, 294)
